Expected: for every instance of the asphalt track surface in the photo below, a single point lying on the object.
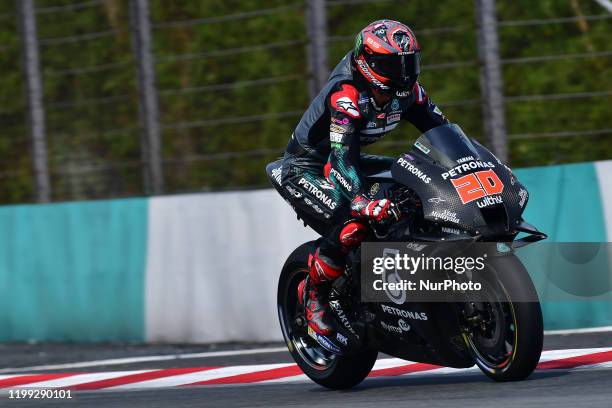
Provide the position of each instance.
(577, 387)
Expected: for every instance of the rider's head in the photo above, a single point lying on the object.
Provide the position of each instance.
(387, 56)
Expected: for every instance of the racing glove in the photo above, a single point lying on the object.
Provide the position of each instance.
(377, 210)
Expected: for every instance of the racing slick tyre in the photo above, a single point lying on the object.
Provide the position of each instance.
(321, 366)
(507, 341)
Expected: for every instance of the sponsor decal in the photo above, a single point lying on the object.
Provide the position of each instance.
(453, 231)
(478, 185)
(421, 147)
(404, 313)
(366, 71)
(403, 325)
(371, 125)
(393, 118)
(374, 189)
(395, 104)
(389, 328)
(445, 215)
(352, 235)
(409, 157)
(402, 94)
(373, 43)
(465, 167)
(414, 170)
(358, 43)
(327, 186)
(276, 174)
(293, 191)
(337, 128)
(343, 121)
(341, 179)
(342, 316)
(346, 104)
(342, 339)
(336, 137)
(320, 195)
(465, 159)
(381, 115)
(436, 200)
(323, 341)
(487, 201)
(523, 194)
(438, 111)
(314, 206)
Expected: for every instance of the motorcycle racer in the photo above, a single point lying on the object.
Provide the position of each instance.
(368, 93)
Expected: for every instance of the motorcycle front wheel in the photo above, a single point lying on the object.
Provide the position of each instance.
(324, 368)
(507, 331)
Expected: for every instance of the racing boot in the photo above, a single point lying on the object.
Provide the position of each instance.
(317, 310)
(321, 273)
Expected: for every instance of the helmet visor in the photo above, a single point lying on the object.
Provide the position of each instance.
(399, 68)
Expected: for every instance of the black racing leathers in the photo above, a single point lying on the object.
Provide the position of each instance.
(323, 164)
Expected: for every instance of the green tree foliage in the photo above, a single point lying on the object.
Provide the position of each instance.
(220, 137)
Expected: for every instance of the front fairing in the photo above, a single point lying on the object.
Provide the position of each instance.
(436, 160)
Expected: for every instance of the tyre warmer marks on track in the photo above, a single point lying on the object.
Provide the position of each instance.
(270, 373)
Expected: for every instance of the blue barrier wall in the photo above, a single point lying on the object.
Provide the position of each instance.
(566, 203)
(73, 271)
(165, 269)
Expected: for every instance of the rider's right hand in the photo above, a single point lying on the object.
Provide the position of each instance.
(377, 210)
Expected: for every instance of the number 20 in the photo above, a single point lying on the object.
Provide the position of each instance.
(477, 185)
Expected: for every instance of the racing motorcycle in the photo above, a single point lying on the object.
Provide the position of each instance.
(449, 188)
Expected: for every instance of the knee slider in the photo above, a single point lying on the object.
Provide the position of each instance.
(352, 234)
(323, 270)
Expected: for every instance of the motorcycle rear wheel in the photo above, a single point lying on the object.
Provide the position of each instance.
(324, 368)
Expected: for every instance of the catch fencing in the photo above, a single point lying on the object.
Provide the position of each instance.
(142, 97)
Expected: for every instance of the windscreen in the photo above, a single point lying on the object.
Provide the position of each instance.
(447, 145)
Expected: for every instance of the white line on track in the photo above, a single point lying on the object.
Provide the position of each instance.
(145, 359)
(548, 355)
(601, 329)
